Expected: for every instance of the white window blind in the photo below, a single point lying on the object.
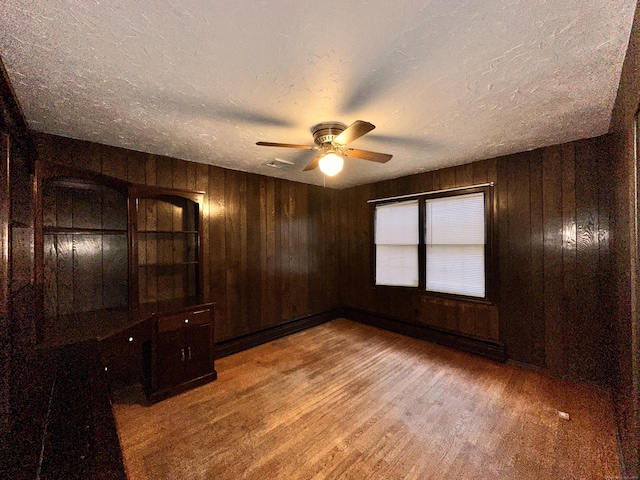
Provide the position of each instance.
(396, 237)
(455, 239)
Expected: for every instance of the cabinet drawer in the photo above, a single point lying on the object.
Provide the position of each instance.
(171, 323)
(200, 317)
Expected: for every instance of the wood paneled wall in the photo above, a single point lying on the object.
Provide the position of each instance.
(356, 252)
(5, 330)
(268, 243)
(551, 219)
(276, 250)
(625, 252)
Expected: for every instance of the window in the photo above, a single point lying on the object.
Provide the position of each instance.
(397, 236)
(455, 239)
(437, 242)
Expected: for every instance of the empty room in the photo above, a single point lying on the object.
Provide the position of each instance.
(289, 240)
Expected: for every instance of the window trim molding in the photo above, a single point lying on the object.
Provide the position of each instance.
(489, 247)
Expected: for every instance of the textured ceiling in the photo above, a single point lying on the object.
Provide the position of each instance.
(445, 82)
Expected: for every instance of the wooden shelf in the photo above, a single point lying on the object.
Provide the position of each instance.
(172, 264)
(165, 232)
(104, 247)
(81, 231)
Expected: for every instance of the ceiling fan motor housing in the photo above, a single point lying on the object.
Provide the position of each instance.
(325, 132)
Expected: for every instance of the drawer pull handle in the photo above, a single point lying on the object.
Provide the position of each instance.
(131, 339)
(186, 320)
(189, 349)
(182, 356)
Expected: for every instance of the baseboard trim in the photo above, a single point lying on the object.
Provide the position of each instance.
(479, 346)
(238, 344)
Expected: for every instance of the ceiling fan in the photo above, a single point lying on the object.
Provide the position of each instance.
(332, 138)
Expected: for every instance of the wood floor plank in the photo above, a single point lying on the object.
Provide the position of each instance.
(345, 400)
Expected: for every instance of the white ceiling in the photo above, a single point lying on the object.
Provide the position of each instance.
(445, 82)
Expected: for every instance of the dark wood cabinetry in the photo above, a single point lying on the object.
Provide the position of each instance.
(122, 263)
(168, 235)
(82, 248)
(125, 355)
(183, 350)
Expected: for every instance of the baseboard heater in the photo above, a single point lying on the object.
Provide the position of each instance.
(479, 346)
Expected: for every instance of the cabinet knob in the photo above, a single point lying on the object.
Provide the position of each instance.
(186, 320)
(131, 339)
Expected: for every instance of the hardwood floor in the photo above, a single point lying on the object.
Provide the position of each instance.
(345, 400)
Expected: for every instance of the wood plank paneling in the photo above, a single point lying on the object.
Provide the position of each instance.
(164, 173)
(286, 247)
(253, 281)
(150, 170)
(136, 167)
(178, 173)
(536, 301)
(190, 181)
(270, 299)
(569, 257)
(233, 263)
(202, 185)
(464, 175)
(64, 269)
(262, 273)
(114, 164)
(589, 327)
(622, 289)
(275, 250)
(303, 273)
(519, 333)
(218, 249)
(87, 285)
(279, 253)
(543, 311)
(552, 257)
(294, 257)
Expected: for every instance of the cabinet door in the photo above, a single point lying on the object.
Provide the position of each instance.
(171, 354)
(199, 344)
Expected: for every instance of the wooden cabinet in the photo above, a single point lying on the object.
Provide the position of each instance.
(84, 243)
(167, 228)
(122, 263)
(125, 355)
(182, 350)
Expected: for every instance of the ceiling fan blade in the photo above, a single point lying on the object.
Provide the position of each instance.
(354, 131)
(286, 145)
(314, 163)
(366, 155)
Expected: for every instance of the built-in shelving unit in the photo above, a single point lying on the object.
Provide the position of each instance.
(85, 245)
(115, 260)
(168, 246)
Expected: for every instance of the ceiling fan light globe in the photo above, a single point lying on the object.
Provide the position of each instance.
(331, 164)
